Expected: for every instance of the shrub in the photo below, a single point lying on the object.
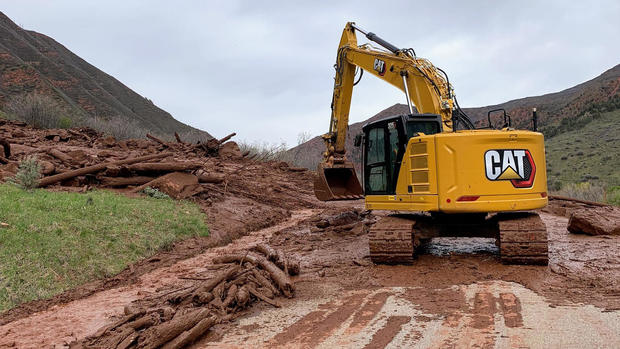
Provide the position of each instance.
(584, 191)
(155, 193)
(65, 122)
(266, 151)
(35, 109)
(28, 173)
(613, 195)
(117, 127)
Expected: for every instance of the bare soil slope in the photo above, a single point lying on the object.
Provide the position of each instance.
(30, 61)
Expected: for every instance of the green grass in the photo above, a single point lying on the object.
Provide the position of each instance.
(589, 154)
(55, 241)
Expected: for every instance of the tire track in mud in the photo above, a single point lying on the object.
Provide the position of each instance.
(315, 327)
(484, 315)
(62, 324)
(386, 334)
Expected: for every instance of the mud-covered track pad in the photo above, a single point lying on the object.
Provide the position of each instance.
(523, 239)
(391, 241)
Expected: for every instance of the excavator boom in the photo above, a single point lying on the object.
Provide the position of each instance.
(424, 85)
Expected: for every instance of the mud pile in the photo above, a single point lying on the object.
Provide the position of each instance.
(238, 192)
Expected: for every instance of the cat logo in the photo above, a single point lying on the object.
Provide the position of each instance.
(379, 66)
(514, 165)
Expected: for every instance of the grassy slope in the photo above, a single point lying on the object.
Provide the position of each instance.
(587, 154)
(55, 241)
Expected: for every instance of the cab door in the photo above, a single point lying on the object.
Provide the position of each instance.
(385, 144)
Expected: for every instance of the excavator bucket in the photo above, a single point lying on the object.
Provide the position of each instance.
(337, 182)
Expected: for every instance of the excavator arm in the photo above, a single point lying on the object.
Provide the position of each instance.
(424, 85)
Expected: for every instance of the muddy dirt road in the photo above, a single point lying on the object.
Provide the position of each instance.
(457, 294)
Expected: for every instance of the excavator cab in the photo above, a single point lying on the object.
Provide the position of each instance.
(385, 144)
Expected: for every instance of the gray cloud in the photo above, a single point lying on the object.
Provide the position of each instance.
(264, 69)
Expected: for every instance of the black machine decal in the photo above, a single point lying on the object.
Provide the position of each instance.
(514, 165)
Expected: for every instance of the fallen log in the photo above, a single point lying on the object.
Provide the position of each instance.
(204, 177)
(206, 286)
(156, 336)
(153, 138)
(267, 250)
(227, 137)
(66, 159)
(585, 202)
(115, 182)
(192, 334)
(282, 280)
(263, 281)
(263, 297)
(164, 166)
(230, 295)
(7, 147)
(96, 168)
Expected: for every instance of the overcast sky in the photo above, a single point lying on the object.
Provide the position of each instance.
(264, 69)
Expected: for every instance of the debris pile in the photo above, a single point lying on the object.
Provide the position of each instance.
(176, 318)
(82, 158)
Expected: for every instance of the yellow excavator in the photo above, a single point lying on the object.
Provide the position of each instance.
(436, 172)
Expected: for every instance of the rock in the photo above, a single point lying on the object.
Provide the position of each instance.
(57, 135)
(108, 141)
(47, 168)
(344, 218)
(20, 149)
(178, 185)
(230, 150)
(323, 223)
(78, 156)
(595, 221)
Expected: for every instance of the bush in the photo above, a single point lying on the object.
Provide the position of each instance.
(35, 109)
(155, 193)
(117, 127)
(65, 122)
(28, 173)
(613, 195)
(266, 151)
(583, 191)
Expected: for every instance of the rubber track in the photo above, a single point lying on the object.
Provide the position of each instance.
(523, 239)
(391, 241)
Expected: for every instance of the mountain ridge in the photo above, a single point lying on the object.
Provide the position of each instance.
(31, 62)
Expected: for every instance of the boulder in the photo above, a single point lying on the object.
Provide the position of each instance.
(595, 221)
(230, 150)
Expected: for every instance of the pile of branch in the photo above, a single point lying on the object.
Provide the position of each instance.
(177, 318)
(210, 148)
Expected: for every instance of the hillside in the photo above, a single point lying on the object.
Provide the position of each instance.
(557, 112)
(32, 62)
(586, 154)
